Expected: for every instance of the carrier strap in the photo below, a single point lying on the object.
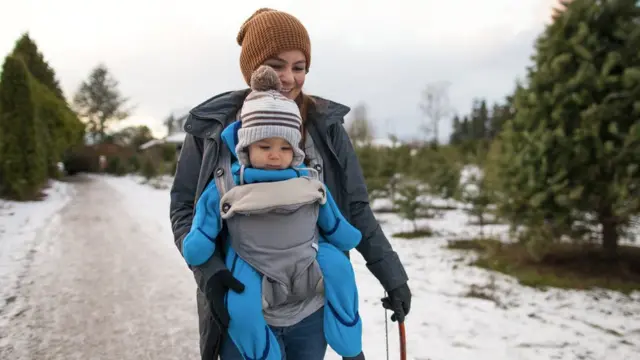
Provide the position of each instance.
(267, 196)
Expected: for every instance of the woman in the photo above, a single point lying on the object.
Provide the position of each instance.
(279, 40)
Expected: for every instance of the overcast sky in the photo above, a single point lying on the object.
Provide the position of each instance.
(169, 57)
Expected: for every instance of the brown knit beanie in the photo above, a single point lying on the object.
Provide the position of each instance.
(266, 33)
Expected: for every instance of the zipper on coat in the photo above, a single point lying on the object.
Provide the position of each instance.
(212, 168)
(330, 146)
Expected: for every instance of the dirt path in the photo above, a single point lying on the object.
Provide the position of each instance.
(99, 287)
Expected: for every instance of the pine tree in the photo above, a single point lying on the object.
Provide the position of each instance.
(34, 60)
(480, 120)
(22, 154)
(396, 163)
(466, 129)
(456, 135)
(408, 203)
(99, 102)
(476, 192)
(572, 152)
(63, 128)
(500, 113)
(439, 169)
(371, 164)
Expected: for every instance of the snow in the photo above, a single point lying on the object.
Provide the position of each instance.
(523, 323)
(19, 225)
(175, 138)
(518, 322)
(444, 323)
(150, 143)
(380, 143)
(152, 200)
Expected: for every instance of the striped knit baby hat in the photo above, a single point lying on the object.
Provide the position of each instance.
(267, 113)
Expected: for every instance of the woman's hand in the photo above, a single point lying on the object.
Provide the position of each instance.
(398, 301)
(219, 284)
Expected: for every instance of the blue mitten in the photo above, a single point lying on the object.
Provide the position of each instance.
(199, 244)
(335, 228)
(342, 323)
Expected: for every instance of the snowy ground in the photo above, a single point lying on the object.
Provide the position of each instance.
(19, 225)
(444, 323)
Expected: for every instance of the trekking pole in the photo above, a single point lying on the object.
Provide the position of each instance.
(386, 329)
(401, 332)
(403, 341)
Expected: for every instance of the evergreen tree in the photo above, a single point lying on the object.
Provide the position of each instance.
(381, 167)
(572, 152)
(438, 168)
(479, 120)
(62, 129)
(408, 203)
(396, 162)
(477, 193)
(99, 101)
(22, 153)
(500, 113)
(372, 168)
(456, 135)
(27, 49)
(466, 130)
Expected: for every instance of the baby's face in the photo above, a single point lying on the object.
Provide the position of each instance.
(271, 153)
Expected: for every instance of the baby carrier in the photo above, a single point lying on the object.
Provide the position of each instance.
(286, 238)
(272, 226)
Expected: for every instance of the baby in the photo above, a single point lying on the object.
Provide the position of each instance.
(286, 236)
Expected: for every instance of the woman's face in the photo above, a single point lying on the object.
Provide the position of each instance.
(291, 68)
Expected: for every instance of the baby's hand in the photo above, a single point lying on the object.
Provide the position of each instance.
(197, 248)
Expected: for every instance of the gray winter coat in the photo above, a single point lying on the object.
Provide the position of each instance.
(342, 175)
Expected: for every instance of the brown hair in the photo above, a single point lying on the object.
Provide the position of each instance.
(305, 104)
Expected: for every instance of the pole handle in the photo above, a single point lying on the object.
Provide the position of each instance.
(403, 341)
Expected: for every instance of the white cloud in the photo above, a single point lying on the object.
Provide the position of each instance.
(169, 55)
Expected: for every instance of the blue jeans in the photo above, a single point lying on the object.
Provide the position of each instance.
(302, 341)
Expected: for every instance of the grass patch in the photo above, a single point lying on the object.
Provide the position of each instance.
(486, 222)
(474, 244)
(444, 207)
(480, 293)
(415, 234)
(565, 266)
(386, 210)
(37, 196)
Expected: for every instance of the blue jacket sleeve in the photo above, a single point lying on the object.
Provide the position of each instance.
(335, 228)
(199, 243)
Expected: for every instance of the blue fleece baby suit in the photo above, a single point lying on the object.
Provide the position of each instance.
(247, 327)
